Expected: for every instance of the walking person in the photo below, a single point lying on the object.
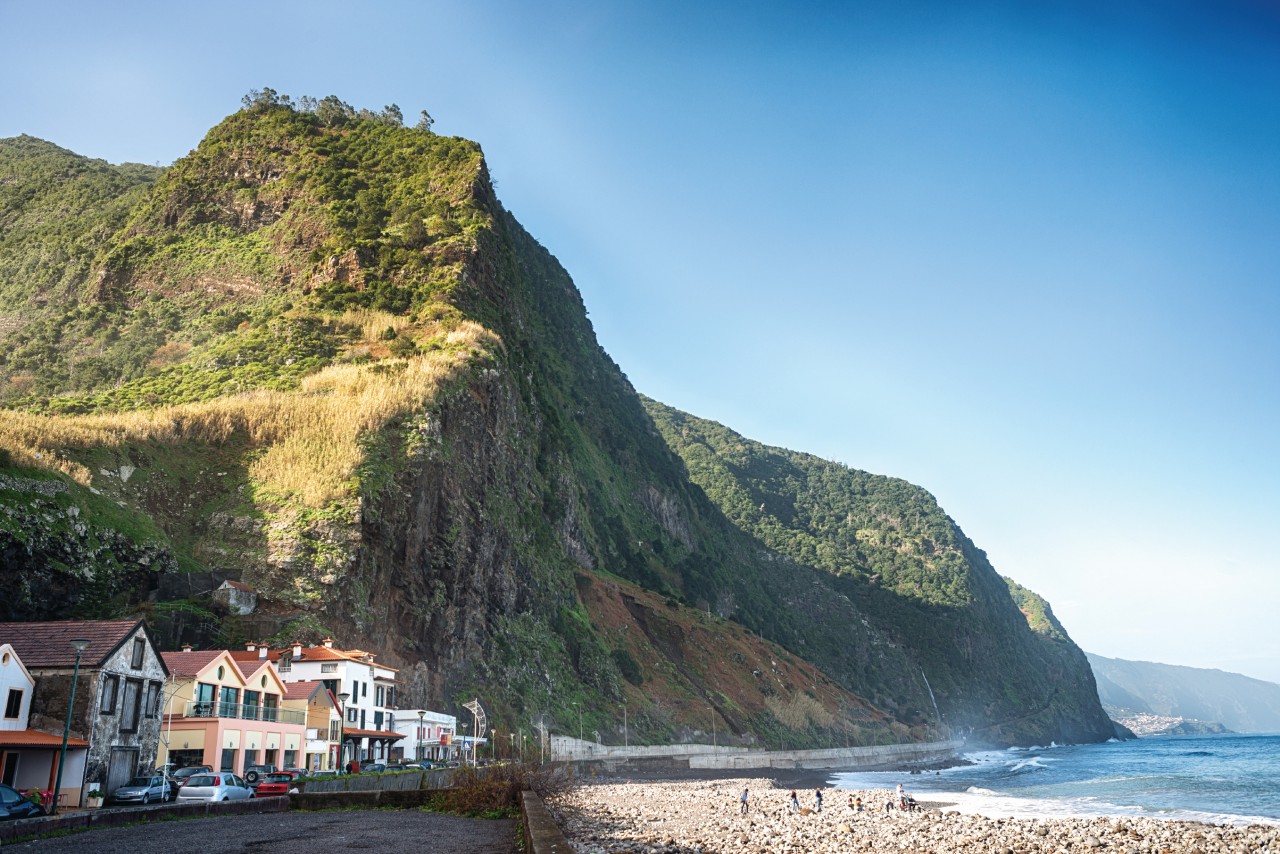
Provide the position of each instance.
(817, 796)
(795, 802)
(743, 807)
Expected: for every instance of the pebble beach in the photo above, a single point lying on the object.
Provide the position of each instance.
(703, 816)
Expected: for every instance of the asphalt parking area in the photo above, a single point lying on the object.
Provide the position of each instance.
(299, 832)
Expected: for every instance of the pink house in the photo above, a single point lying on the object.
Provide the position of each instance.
(228, 714)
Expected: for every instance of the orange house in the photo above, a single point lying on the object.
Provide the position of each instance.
(227, 716)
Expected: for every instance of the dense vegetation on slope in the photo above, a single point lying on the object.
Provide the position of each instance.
(909, 569)
(318, 355)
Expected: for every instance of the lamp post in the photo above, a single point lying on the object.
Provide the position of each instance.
(625, 741)
(342, 728)
(421, 716)
(80, 645)
(713, 726)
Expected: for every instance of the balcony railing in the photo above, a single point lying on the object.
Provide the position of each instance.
(270, 714)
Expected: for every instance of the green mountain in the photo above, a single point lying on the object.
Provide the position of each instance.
(318, 356)
(1136, 688)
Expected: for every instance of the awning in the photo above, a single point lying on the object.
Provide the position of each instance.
(36, 738)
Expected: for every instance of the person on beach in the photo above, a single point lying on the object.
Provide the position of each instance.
(743, 807)
(817, 797)
(857, 804)
(901, 791)
(888, 806)
(795, 802)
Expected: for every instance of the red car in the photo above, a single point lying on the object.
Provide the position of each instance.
(278, 783)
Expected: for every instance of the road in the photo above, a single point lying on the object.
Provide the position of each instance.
(381, 831)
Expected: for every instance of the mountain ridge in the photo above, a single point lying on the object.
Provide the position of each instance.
(205, 354)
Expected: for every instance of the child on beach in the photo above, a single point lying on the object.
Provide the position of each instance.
(857, 803)
(742, 810)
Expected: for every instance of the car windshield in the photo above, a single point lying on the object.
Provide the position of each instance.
(279, 778)
(139, 781)
(202, 780)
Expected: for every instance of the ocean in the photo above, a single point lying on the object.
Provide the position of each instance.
(1219, 779)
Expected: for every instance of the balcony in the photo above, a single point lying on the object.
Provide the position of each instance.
(240, 711)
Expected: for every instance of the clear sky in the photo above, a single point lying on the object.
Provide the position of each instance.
(1024, 254)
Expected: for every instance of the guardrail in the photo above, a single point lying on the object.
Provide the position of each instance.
(241, 711)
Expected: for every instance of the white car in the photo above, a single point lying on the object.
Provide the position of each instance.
(218, 786)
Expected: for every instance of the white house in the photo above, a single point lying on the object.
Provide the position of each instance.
(28, 757)
(369, 709)
(427, 735)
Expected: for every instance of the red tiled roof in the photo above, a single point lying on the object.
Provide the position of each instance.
(243, 655)
(300, 690)
(49, 644)
(36, 738)
(189, 662)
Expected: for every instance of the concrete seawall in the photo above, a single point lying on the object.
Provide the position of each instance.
(714, 758)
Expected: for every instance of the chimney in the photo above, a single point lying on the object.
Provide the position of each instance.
(186, 647)
(262, 652)
(297, 650)
(251, 646)
(328, 643)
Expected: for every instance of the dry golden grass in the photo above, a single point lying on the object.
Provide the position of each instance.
(372, 323)
(309, 437)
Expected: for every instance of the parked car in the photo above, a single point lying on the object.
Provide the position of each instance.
(274, 784)
(254, 773)
(177, 778)
(14, 804)
(222, 786)
(145, 789)
(373, 768)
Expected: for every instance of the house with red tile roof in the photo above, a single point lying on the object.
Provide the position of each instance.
(324, 722)
(368, 730)
(119, 683)
(228, 716)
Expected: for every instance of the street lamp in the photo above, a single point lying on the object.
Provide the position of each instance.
(713, 726)
(80, 645)
(421, 715)
(624, 726)
(342, 728)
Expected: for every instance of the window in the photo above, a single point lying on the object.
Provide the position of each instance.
(229, 703)
(291, 759)
(13, 706)
(285, 664)
(228, 759)
(270, 703)
(377, 720)
(153, 699)
(331, 667)
(139, 653)
(110, 687)
(353, 715)
(379, 694)
(333, 730)
(251, 705)
(132, 705)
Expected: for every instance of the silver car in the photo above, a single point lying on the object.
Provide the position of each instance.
(218, 786)
(142, 790)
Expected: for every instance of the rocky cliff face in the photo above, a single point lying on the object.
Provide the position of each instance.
(337, 369)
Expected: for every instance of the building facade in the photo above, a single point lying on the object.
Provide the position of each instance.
(227, 716)
(29, 758)
(118, 691)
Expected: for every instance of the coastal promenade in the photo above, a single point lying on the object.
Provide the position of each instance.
(706, 757)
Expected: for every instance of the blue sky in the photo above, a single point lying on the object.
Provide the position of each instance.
(1022, 254)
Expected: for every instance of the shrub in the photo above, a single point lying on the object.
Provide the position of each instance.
(496, 790)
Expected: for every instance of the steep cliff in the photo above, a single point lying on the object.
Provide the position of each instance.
(317, 355)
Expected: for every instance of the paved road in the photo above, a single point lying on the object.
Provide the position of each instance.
(381, 831)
